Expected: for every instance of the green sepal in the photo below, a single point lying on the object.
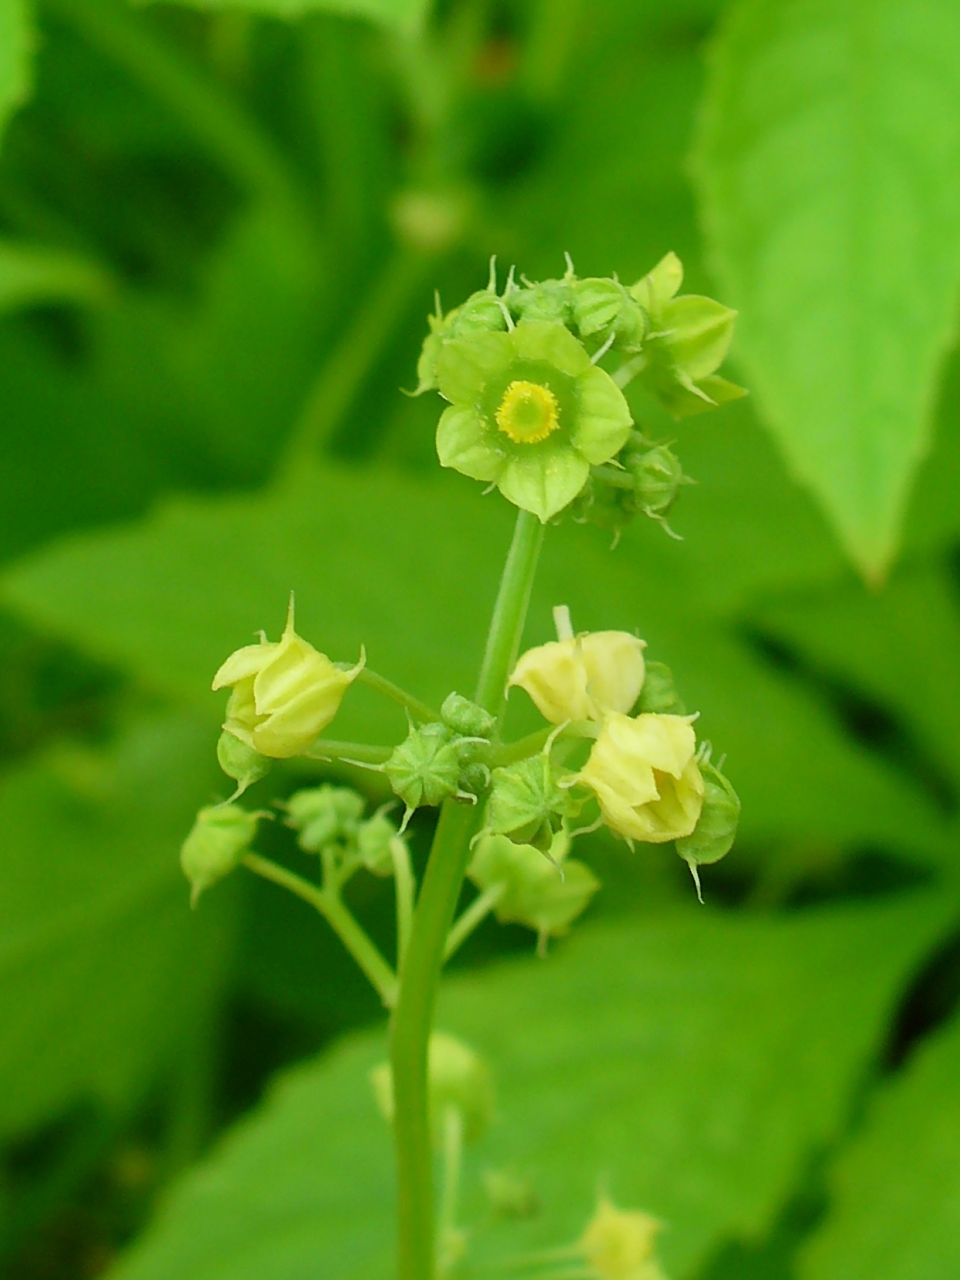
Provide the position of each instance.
(241, 762)
(219, 838)
(716, 829)
(425, 768)
(659, 693)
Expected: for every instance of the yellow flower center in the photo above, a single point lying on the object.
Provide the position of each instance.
(528, 412)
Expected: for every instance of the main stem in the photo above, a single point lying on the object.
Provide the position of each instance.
(443, 879)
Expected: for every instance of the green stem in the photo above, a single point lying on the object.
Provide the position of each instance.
(450, 1187)
(442, 882)
(418, 710)
(405, 890)
(474, 915)
(323, 749)
(331, 907)
(353, 357)
(510, 612)
(211, 116)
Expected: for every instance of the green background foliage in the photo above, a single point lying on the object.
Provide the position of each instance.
(220, 232)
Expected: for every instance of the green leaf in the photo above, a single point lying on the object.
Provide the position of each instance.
(722, 1052)
(30, 274)
(895, 1205)
(829, 167)
(104, 971)
(405, 14)
(409, 569)
(16, 46)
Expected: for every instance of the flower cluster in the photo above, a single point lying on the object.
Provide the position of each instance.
(531, 410)
(649, 779)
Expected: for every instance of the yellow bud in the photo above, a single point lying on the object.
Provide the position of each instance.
(645, 776)
(284, 694)
(619, 1244)
(582, 677)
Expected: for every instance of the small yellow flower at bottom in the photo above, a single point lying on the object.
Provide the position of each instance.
(644, 773)
(619, 1244)
(284, 693)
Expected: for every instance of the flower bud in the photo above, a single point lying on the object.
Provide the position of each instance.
(482, 312)
(374, 841)
(716, 829)
(657, 478)
(323, 815)
(659, 694)
(425, 767)
(645, 776)
(284, 694)
(543, 893)
(603, 307)
(220, 836)
(620, 1244)
(465, 717)
(525, 802)
(240, 762)
(457, 1077)
(546, 300)
(690, 338)
(582, 677)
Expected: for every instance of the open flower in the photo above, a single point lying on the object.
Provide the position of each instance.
(284, 693)
(620, 1244)
(645, 776)
(528, 412)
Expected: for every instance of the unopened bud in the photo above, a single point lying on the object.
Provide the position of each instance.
(604, 308)
(374, 841)
(425, 767)
(659, 694)
(241, 762)
(221, 835)
(457, 1077)
(526, 802)
(713, 836)
(620, 1244)
(465, 717)
(657, 478)
(546, 300)
(545, 893)
(322, 815)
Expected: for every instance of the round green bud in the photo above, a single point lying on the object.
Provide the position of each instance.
(458, 1078)
(657, 477)
(220, 836)
(543, 893)
(713, 836)
(603, 308)
(373, 844)
(425, 767)
(547, 300)
(525, 802)
(659, 694)
(322, 815)
(242, 763)
(466, 718)
(482, 312)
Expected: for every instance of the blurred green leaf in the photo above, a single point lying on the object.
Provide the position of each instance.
(104, 971)
(722, 1053)
(31, 274)
(829, 164)
(405, 14)
(409, 569)
(898, 646)
(16, 47)
(895, 1205)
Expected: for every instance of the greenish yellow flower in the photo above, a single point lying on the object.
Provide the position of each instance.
(620, 1244)
(284, 694)
(582, 677)
(645, 776)
(528, 412)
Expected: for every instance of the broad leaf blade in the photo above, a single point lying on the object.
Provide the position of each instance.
(829, 166)
(103, 968)
(895, 1207)
(720, 1053)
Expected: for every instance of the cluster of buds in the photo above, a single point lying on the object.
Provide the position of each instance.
(532, 412)
(645, 772)
(329, 822)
